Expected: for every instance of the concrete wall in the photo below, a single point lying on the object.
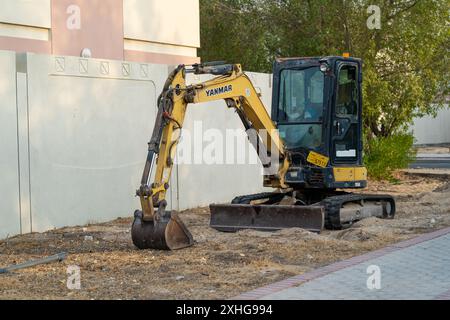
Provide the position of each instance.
(79, 131)
(433, 130)
(202, 184)
(74, 133)
(9, 170)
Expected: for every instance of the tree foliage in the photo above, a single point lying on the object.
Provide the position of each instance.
(406, 61)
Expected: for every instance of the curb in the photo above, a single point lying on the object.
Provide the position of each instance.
(320, 272)
(430, 173)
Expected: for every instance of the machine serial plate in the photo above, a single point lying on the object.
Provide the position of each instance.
(317, 159)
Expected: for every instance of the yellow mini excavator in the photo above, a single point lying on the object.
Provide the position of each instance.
(313, 139)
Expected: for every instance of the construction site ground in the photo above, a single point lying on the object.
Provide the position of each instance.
(219, 265)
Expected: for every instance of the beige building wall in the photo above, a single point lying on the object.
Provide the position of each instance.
(95, 24)
(155, 31)
(163, 30)
(25, 25)
(35, 13)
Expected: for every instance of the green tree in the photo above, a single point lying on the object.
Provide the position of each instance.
(406, 64)
(232, 30)
(406, 61)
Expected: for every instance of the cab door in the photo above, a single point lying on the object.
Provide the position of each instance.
(346, 144)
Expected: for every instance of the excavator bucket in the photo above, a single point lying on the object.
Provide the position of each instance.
(234, 217)
(166, 233)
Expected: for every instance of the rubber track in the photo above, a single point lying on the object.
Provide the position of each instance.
(331, 204)
(334, 204)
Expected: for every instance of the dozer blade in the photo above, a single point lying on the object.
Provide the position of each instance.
(168, 233)
(233, 217)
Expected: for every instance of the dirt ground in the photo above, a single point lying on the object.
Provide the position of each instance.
(435, 150)
(219, 265)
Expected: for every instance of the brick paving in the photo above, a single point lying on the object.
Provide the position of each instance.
(418, 268)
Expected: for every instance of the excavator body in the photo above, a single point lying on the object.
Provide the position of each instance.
(310, 147)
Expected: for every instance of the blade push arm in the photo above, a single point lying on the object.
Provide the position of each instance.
(231, 85)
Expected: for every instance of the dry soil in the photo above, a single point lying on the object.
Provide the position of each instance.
(219, 265)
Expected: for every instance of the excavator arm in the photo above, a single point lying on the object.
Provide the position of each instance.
(230, 84)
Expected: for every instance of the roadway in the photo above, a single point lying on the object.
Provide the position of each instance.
(431, 160)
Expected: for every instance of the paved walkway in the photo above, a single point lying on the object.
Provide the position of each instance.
(418, 268)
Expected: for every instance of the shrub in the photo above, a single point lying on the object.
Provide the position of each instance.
(383, 155)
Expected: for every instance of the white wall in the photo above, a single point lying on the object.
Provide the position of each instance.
(433, 130)
(83, 132)
(9, 171)
(74, 133)
(201, 184)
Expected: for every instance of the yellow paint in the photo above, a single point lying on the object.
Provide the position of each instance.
(317, 159)
(344, 174)
(360, 173)
(350, 174)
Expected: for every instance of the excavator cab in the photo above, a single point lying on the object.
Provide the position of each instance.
(314, 135)
(317, 106)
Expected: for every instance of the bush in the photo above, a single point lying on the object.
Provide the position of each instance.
(386, 154)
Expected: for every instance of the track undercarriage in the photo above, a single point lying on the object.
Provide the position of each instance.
(312, 211)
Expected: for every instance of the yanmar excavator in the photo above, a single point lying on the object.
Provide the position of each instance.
(313, 138)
